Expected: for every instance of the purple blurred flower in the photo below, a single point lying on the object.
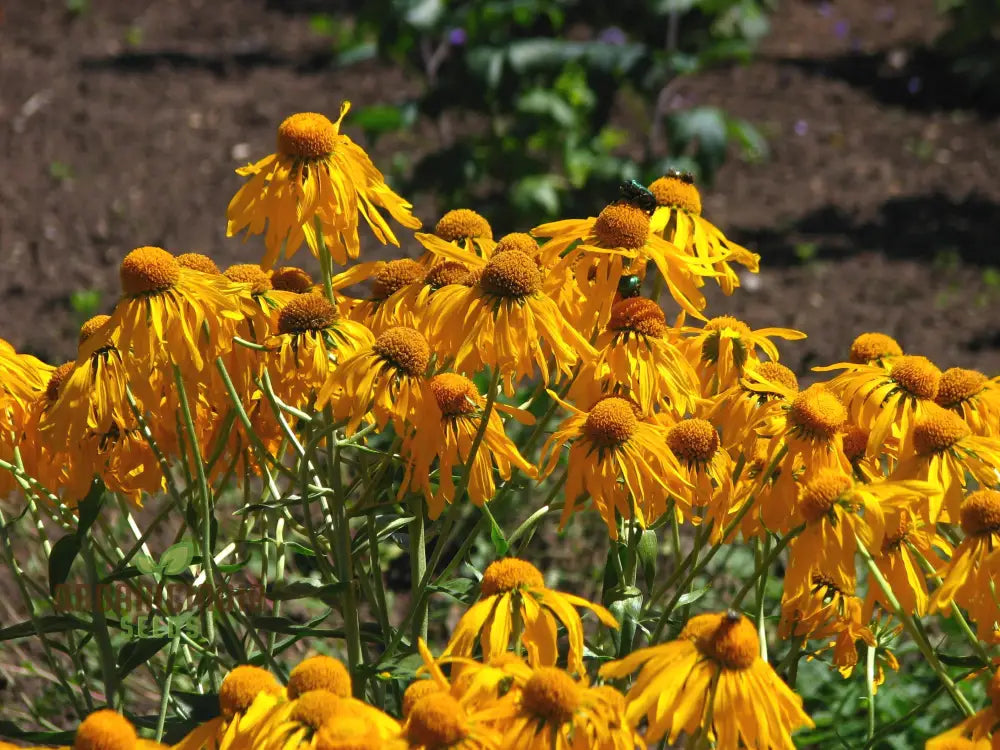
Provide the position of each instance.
(801, 127)
(824, 9)
(457, 37)
(612, 35)
(914, 85)
(841, 29)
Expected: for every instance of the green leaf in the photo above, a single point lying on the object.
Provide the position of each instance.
(971, 661)
(64, 552)
(647, 551)
(754, 144)
(305, 589)
(144, 564)
(136, 653)
(692, 596)
(45, 624)
(90, 507)
(496, 535)
(384, 118)
(12, 730)
(176, 558)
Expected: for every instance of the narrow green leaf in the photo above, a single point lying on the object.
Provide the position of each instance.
(64, 552)
(136, 653)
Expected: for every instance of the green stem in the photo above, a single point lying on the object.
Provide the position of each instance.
(102, 636)
(870, 686)
(168, 678)
(418, 565)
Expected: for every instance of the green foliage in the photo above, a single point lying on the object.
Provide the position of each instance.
(972, 40)
(556, 89)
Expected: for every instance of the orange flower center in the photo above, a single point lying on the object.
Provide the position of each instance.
(869, 347)
(197, 262)
(56, 380)
(817, 413)
(918, 376)
(980, 513)
(291, 279)
(240, 688)
(394, 275)
(938, 430)
(91, 327)
(455, 394)
(148, 270)
(511, 274)
(509, 574)
(551, 694)
(348, 733)
(517, 241)
(316, 708)
(895, 538)
(436, 721)
(775, 372)
(417, 690)
(674, 191)
(622, 225)
(958, 385)
(462, 223)
(694, 441)
(105, 730)
(734, 329)
(640, 315)
(818, 496)
(405, 348)
(855, 442)
(319, 673)
(611, 422)
(307, 135)
(252, 275)
(447, 272)
(307, 312)
(727, 637)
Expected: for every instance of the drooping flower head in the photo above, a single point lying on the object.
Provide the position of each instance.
(105, 730)
(874, 348)
(974, 397)
(460, 229)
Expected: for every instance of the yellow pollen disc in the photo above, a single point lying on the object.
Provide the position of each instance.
(638, 314)
(197, 262)
(898, 536)
(622, 225)
(447, 272)
(734, 329)
(319, 673)
(307, 312)
(673, 191)
(436, 721)
(508, 574)
(241, 686)
(869, 347)
(348, 733)
(817, 412)
(980, 513)
(252, 275)
(91, 327)
(776, 372)
(56, 380)
(918, 376)
(819, 495)
(394, 275)
(462, 223)
(958, 385)
(550, 693)
(511, 274)
(405, 348)
(105, 730)
(728, 323)
(307, 135)
(417, 690)
(823, 581)
(938, 430)
(694, 441)
(316, 708)
(148, 270)
(855, 442)
(611, 422)
(727, 637)
(291, 279)
(455, 394)
(517, 241)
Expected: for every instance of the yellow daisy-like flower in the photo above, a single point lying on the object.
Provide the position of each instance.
(105, 730)
(319, 673)
(317, 176)
(712, 679)
(620, 461)
(739, 408)
(460, 229)
(247, 696)
(385, 380)
(874, 349)
(410, 303)
(637, 359)
(944, 452)
(438, 721)
(515, 588)
(444, 428)
(981, 731)
(291, 279)
(295, 724)
(350, 732)
(479, 685)
(198, 262)
(387, 278)
(678, 220)
(554, 711)
(311, 335)
(724, 346)
(505, 321)
(974, 397)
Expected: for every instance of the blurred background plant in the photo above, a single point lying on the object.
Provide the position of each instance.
(972, 42)
(544, 106)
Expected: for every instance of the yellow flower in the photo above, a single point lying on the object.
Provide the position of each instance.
(514, 599)
(619, 460)
(105, 730)
(461, 230)
(974, 397)
(977, 732)
(479, 685)
(739, 408)
(409, 303)
(505, 322)
(350, 732)
(637, 359)
(444, 428)
(724, 346)
(291, 279)
(438, 721)
(387, 278)
(712, 678)
(295, 724)
(310, 333)
(198, 262)
(678, 220)
(874, 349)
(319, 673)
(317, 176)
